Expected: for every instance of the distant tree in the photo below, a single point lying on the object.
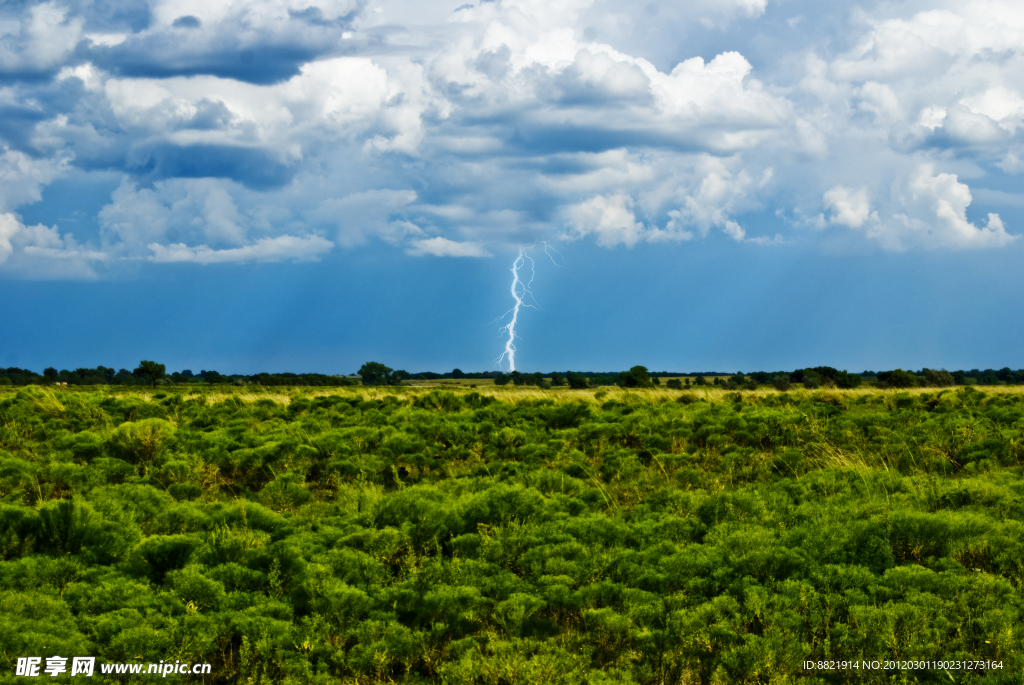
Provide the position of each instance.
(397, 377)
(576, 381)
(781, 382)
(150, 371)
(375, 373)
(847, 380)
(827, 375)
(897, 379)
(1007, 375)
(686, 382)
(124, 377)
(502, 379)
(750, 383)
(938, 379)
(701, 381)
(988, 377)
(636, 377)
(213, 377)
(959, 378)
(736, 381)
(457, 373)
(51, 374)
(674, 384)
(655, 380)
(557, 379)
(812, 379)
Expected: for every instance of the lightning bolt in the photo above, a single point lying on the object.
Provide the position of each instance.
(520, 291)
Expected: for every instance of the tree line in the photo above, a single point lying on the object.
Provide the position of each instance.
(376, 373)
(152, 373)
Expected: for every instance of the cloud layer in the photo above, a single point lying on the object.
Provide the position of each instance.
(284, 129)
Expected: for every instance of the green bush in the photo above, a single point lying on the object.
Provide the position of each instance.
(434, 536)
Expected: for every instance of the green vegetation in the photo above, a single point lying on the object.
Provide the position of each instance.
(375, 373)
(514, 535)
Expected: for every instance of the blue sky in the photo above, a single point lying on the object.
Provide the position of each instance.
(306, 185)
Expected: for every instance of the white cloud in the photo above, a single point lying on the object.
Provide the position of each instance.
(494, 123)
(948, 199)
(932, 117)
(22, 178)
(926, 210)
(331, 99)
(715, 194)
(1011, 163)
(443, 247)
(9, 227)
(200, 210)
(1004, 106)
(41, 251)
(41, 38)
(609, 218)
(849, 207)
(372, 212)
(281, 248)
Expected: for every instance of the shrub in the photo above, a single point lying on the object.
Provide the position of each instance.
(938, 379)
(576, 381)
(897, 379)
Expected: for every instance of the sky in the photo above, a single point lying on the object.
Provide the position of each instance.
(306, 185)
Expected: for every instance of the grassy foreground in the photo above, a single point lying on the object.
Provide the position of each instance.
(507, 535)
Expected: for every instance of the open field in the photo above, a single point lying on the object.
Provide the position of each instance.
(506, 534)
(484, 382)
(450, 383)
(506, 393)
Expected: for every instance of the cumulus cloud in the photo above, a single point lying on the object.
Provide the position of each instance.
(181, 209)
(43, 252)
(948, 199)
(22, 178)
(359, 216)
(39, 39)
(443, 247)
(929, 211)
(281, 248)
(610, 219)
(849, 207)
(236, 124)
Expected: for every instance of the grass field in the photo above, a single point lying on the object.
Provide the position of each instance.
(478, 382)
(503, 534)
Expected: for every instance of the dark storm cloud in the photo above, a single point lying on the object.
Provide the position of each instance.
(254, 55)
(186, 22)
(253, 168)
(162, 56)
